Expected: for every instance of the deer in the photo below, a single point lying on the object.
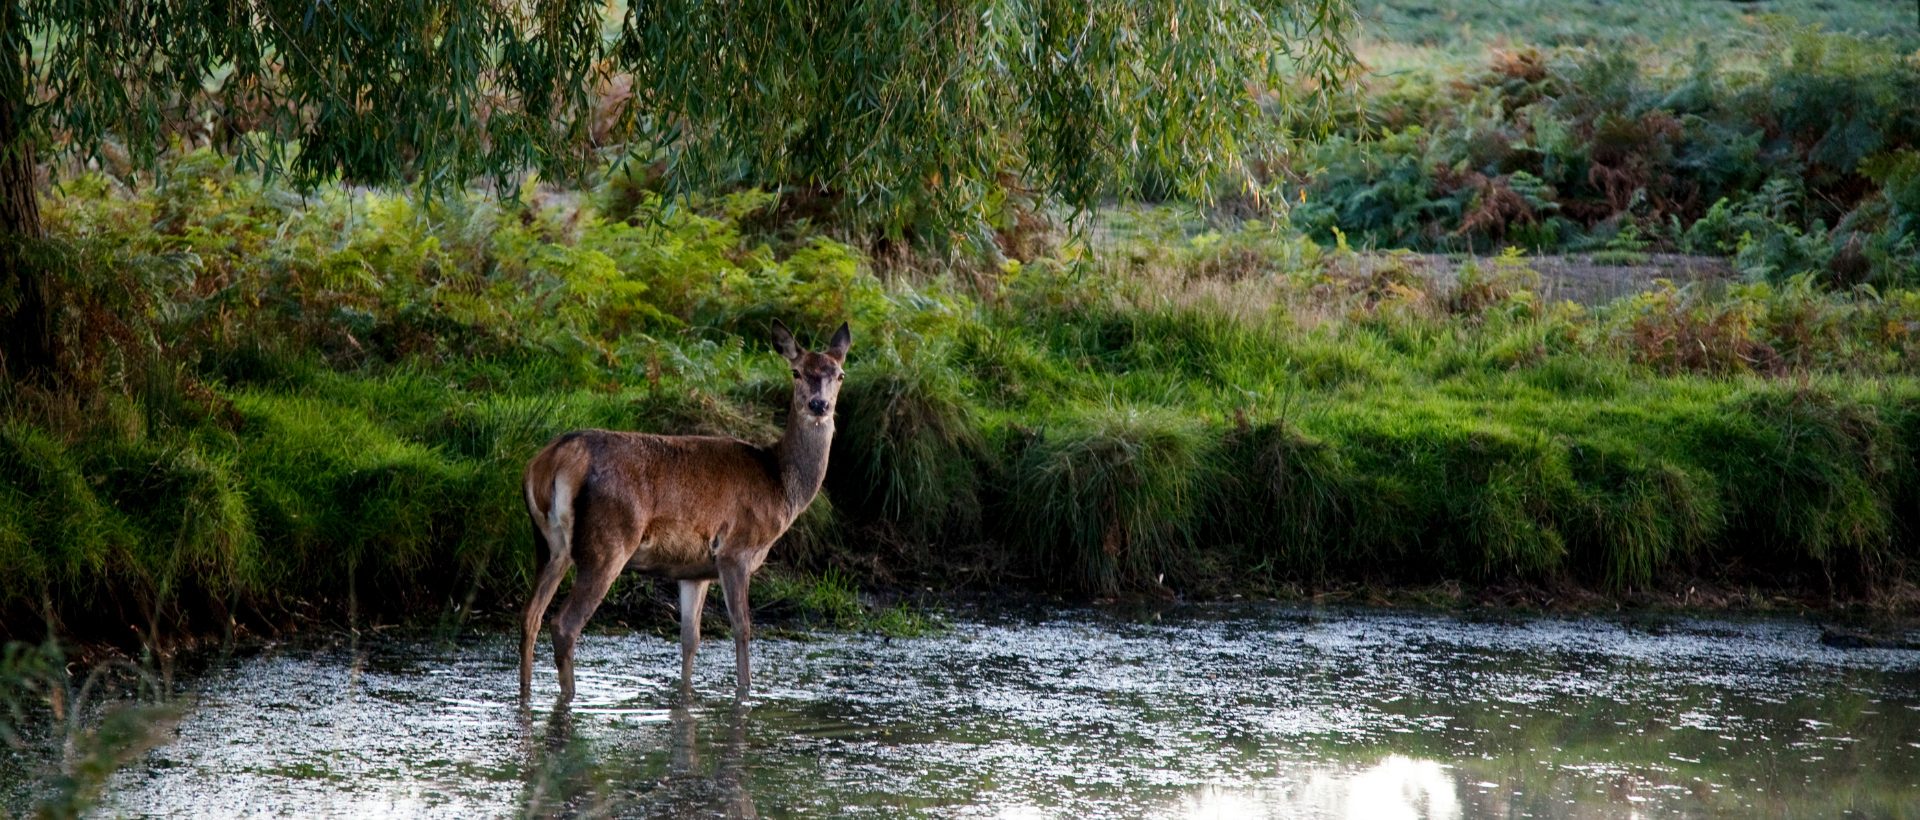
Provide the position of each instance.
(693, 509)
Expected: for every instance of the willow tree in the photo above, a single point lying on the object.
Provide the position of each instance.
(902, 114)
(918, 112)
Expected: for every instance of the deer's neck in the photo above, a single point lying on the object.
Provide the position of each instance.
(802, 454)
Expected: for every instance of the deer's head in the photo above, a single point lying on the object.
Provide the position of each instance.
(816, 376)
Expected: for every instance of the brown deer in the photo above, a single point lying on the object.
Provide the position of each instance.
(690, 508)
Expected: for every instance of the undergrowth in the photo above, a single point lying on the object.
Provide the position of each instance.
(1790, 149)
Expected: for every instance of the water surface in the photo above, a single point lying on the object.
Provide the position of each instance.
(1203, 712)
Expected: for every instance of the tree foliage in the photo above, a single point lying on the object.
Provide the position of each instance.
(917, 118)
(908, 114)
(913, 113)
(365, 90)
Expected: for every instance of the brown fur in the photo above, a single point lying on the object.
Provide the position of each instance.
(697, 488)
(691, 508)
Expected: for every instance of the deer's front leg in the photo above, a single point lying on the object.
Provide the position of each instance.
(734, 577)
(693, 599)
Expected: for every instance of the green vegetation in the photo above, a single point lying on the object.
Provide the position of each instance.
(240, 393)
(1795, 151)
(267, 403)
(927, 123)
(831, 600)
(1460, 28)
(323, 405)
(62, 736)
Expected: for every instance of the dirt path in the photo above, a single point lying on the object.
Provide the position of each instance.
(1579, 278)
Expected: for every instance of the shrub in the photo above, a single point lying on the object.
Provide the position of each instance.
(1565, 148)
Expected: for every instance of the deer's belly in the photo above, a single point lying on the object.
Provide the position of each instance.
(674, 553)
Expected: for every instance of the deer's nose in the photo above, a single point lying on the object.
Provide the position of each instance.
(818, 406)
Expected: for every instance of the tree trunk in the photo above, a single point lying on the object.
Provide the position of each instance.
(26, 347)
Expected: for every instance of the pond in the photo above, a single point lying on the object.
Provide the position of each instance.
(1243, 711)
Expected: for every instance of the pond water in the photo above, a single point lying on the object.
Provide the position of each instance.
(1196, 712)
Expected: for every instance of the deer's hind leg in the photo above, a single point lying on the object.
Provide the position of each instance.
(551, 566)
(553, 554)
(607, 541)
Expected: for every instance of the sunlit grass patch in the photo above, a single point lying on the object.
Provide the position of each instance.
(832, 600)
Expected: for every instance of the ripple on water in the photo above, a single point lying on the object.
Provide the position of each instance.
(1205, 712)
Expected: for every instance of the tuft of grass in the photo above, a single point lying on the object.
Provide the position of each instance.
(1107, 499)
(904, 620)
(188, 503)
(1636, 518)
(907, 448)
(1815, 473)
(1287, 497)
(55, 531)
(828, 599)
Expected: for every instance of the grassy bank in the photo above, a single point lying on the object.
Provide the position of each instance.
(279, 406)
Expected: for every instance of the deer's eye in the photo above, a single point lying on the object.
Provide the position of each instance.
(796, 374)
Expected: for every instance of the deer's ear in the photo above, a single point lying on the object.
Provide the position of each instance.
(837, 347)
(783, 342)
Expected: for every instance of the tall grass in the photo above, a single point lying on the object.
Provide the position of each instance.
(907, 448)
(1108, 499)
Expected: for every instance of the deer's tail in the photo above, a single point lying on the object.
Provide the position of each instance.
(552, 487)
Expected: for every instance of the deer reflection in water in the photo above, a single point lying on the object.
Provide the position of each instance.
(569, 774)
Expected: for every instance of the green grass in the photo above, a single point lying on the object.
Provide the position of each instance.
(832, 600)
(1108, 499)
(908, 446)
